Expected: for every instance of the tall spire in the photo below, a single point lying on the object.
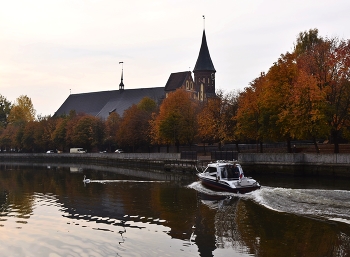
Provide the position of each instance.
(121, 85)
(204, 62)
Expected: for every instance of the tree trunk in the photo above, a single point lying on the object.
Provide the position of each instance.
(316, 145)
(289, 145)
(261, 147)
(237, 146)
(336, 141)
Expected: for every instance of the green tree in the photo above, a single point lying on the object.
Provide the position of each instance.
(306, 41)
(5, 108)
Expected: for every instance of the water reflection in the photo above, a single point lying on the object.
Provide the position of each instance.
(252, 228)
(51, 212)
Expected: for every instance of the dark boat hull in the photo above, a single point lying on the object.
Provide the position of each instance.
(222, 186)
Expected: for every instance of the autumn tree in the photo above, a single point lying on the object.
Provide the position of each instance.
(328, 62)
(22, 111)
(58, 135)
(177, 120)
(217, 118)
(277, 101)
(134, 127)
(88, 132)
(8, 137)
(111, 128)
(30, 137)
(250, 111)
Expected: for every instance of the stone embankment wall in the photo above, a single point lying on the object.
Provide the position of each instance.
(295, 159)
(300, 164)
(159, 161)
(244, 158)
(90, 156)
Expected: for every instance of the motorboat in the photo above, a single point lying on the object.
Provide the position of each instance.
(227, 176)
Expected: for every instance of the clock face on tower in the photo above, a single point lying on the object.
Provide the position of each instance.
(213, 76)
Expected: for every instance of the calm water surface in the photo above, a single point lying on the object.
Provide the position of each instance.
(49, 211)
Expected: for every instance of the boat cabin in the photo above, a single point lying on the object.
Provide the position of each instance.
(227, 170)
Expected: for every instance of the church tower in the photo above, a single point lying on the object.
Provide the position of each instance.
(204, 72)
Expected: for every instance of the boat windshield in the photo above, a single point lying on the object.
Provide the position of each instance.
(211, 170)
(230, 171)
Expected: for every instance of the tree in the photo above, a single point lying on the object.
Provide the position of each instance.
(276, 100)
(8, 137)
(147, 104)
(135, 125)
(250, 111)
(328, 62)
(111, 128)
(177, 120)
(88, 132)
(217, 119)
(307, 103)
(58, 136)
(306, 41)
(5, 108)
(22, 111)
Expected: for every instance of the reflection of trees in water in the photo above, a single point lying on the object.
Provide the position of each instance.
(253, 229)
(227, 232)
(269, 233)
(13, 198)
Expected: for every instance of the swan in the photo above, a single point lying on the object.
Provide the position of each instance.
(85, 180)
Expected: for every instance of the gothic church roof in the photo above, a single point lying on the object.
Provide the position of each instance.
(204, 62)
(176, 80)
(102, 103)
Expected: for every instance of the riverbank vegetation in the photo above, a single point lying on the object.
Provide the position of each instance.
(305, 95)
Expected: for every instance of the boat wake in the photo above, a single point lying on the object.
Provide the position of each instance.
(317, 203)
(124, 181)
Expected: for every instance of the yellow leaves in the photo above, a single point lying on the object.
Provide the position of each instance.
(22, 111)
(177, 119)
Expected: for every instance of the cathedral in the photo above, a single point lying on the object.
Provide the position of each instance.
(103, 103)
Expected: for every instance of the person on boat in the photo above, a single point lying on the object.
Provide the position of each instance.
(235, 171)
(224, 173)
(230, 171)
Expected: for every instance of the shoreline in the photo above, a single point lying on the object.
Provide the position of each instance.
(298, 164)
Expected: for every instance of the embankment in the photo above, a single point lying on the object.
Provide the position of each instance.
(335, 165)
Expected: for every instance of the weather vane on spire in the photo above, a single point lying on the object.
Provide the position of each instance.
(203, 22)
(121, 85)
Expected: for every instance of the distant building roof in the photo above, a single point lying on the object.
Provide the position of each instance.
(101, 104)
(204, 62)
(176, 80)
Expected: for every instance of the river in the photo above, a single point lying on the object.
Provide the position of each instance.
(47, 210)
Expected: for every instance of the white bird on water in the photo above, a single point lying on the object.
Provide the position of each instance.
(85, 180)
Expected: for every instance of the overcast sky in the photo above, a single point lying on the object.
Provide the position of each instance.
(51, 48)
